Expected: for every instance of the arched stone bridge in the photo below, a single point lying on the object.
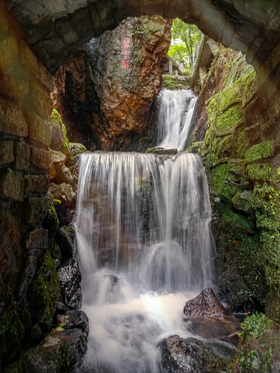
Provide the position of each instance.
(57, 28)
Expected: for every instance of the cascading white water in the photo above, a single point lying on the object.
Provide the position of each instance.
(144, 248)
(175, 117)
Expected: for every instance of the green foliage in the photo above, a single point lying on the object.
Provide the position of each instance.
(183, 45)
(255, 326)
(255, 361)
(253, 356)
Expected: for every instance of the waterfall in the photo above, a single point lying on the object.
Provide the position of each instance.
(144, 248)
(175, 118)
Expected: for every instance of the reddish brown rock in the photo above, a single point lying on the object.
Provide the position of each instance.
(106, 92)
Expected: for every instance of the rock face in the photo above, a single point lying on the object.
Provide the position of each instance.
(106, 92)
(188, 356)
(205, 305)
(241, 155)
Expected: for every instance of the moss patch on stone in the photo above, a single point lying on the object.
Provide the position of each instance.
(172, 82)
(258, 151)
(228, 118)
(259, 171)
(11, 335)
(44, 291)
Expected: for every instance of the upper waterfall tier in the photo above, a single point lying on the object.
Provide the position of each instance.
(175, 118)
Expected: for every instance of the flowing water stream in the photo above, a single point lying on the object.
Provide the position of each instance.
(144, 249)
(175, 117)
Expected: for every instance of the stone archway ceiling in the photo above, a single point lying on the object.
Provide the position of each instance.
(58, 28)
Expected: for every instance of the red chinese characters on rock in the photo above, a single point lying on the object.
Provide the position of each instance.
(125, 54)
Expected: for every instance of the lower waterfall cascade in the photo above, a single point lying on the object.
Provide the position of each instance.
(144, 248)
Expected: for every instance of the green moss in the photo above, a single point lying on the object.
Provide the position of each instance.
(248, 83)
(218, 177)
(55, 118)
(241, 143)
(65, 141)
(228, 118)
(195, 147)
(44, 291)
(11, 335)
(220, 148)
(259, 171)
(154, 150)
(242, 200)
(220, 182)
(258, 151)
(172, 82)
(238, 224)
(52, 212)
(237, 167)
(229, 97)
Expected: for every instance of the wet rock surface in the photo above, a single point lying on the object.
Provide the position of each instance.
(70, 282)
(60, 351)
(205, 305)
(190, 355)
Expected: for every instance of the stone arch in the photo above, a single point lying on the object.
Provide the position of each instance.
(57, 28)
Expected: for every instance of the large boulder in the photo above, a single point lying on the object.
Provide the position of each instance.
(105, 93)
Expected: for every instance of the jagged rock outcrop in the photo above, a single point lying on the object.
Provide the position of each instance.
(106, 92)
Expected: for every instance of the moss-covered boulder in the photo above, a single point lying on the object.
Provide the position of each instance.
(44, 292)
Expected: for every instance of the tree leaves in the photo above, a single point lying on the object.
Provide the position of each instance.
(183, 45)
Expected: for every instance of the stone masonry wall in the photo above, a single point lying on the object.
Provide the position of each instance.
(25, 158)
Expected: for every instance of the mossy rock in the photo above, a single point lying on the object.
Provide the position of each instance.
(59, 141)
(44, 292)
(11, 335)
(220, 182)
(173, 82)
(259, 151)
(259, 171)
